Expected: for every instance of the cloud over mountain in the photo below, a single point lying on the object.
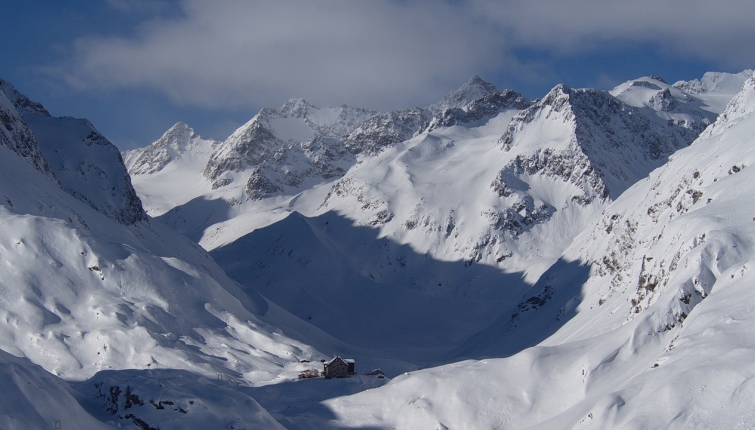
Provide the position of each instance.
(332, 52)
(385, 54)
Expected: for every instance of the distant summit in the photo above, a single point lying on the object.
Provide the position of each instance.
(475, 88)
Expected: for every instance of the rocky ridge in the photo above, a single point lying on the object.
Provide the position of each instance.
(611, 144)
(280, 149)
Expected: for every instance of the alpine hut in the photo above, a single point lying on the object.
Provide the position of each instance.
(338, 368)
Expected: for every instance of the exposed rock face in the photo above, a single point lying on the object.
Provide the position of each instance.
(610, 143)
(485, 107)
(386, 129)
(245, 149)
(282, 148)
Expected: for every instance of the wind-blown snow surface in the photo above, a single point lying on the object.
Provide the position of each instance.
(662, 337)
(88, 283)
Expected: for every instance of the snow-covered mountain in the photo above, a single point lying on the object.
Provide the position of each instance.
(282, 151)
(172, 162)
(490, 225)
(577, 261)
(16, 136)
(88, 283)
(715, 88)
(659, 336)
(481, 178)
(83, 161)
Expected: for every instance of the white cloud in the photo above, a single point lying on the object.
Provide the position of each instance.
(716, 31)
(128, 6)
(386, 53)
(234, 53)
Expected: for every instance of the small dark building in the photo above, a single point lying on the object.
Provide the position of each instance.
(338, 368)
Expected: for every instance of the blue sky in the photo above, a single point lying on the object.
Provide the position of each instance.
(135, 67)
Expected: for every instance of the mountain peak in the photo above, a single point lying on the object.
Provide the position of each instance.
(556, 98)
(180, 125)
(297, 107)
(475, 88)
(16, 136)
(477, 80)
(20, 101)
(180, 133)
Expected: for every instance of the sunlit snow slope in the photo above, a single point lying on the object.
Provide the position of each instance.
(88, 283)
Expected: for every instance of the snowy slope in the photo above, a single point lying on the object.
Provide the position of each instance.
(658, 100)
(85, 289)
(497, 193)
(691, 106)
(661, 334)
(32, 398)
(715, 89)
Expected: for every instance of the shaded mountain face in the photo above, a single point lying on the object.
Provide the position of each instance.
(87, 165)
(16, 135)
(84, 162)
(32, 398)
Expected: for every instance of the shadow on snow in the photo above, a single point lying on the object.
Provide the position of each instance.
(386, 300)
